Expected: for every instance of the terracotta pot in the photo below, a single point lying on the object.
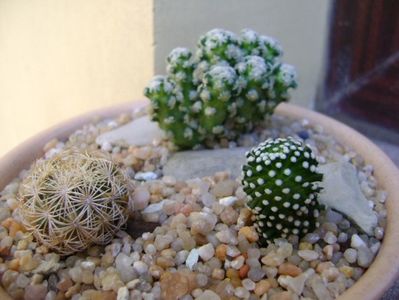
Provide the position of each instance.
(385, 268)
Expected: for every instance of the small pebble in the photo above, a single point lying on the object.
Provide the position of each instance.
(223, 188)
(256, 274)
(364, 257)
(141, 198)
(289, 269)
(206, 252)
(140, 267)
(242, 293)
(228, 201)
(308, 255)
(238, 262)
(192, 258)
(123, 293)
(218, 274)
(357, 242)
(379, 233)
(145, 176)
(350, 255)
(262, 287)
(208, 295)
(342, 237)
(248, 284)
(330, 238)
(202, 280)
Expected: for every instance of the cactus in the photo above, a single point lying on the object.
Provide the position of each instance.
(230, 85)
(281, 181)
(73, 200)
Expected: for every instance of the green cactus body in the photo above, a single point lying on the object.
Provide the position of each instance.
(259, 45)
(219, 45)
(231, 84)
(180, 67)
(166, 111)
(281, 181)
(270, 48)
(216, 94)
(285, 79)
(253, 72)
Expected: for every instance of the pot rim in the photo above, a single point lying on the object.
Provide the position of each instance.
(385, 267)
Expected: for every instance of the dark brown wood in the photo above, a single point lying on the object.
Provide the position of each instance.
(362, 74)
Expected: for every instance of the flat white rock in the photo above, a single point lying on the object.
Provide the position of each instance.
(139, 132)
(192, 164)
(342, 192)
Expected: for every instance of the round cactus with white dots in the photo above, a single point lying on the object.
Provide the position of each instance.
(231, 84)
(281, 181)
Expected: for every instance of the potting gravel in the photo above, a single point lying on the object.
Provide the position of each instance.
(204, 246)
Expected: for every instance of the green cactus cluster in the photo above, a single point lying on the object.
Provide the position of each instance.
(231, 84)
(281, 181)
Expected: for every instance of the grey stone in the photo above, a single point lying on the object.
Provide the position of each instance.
(140, 132)
(124, 265)
(191, 164)
(342, 192)
(364, 257)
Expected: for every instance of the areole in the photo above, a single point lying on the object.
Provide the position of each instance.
(385, 268)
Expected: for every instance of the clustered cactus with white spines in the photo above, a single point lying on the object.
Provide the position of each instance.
(281, 181)
(230, 85)
(73, 200)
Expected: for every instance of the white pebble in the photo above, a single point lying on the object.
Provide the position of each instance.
(140, 267)
(232, 251)
(308, 255)
(207, 295)
(350, 255)
(242, 293)
(228, 201)
(330, 238)
(123, 293)
(206, 252)
(153, 208)
(379, 233)
(145, 176)
(141, 197)
(248, 284)
(238, 262)
(357, 242)
(192, 258)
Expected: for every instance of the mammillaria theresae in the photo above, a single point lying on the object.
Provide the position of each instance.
(73, 200)
(231, 84)
(282, 185)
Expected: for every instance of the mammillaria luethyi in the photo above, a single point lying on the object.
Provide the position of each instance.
(73, 200)
(231, 84)
(282, 185)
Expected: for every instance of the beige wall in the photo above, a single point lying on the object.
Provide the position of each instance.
(300, 26)
(60, 58)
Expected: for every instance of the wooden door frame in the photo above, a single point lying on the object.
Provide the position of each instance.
(361, 83)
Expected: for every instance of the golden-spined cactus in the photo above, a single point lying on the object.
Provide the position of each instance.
(74, 199)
